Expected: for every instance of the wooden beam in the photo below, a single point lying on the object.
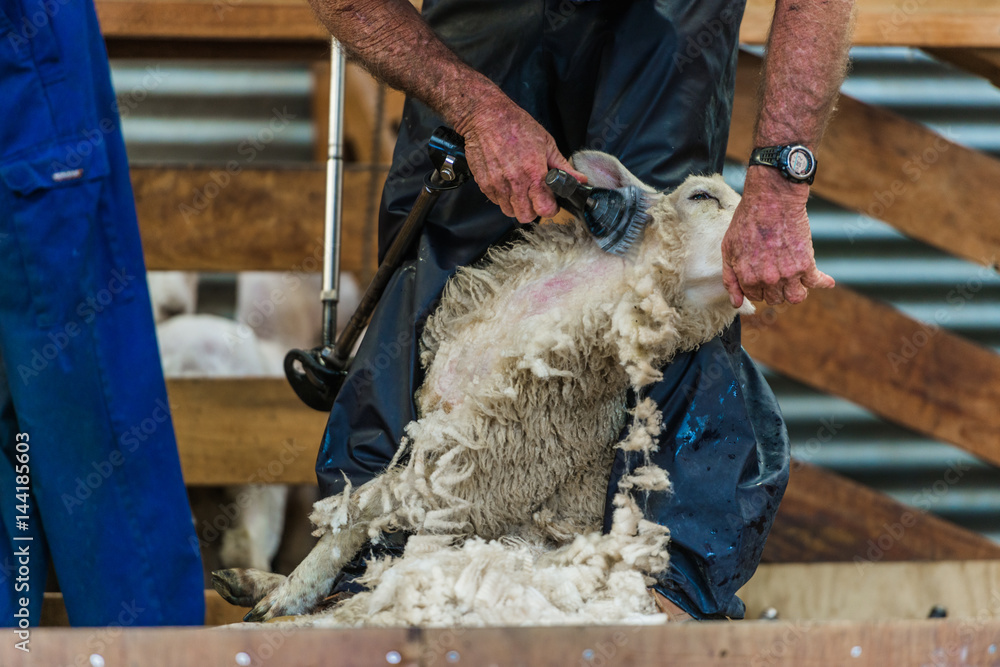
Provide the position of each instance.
(217, 611)
(798, 591)
(828, 518)
(896, 23)
(215, 20)
(255, 219)
(920, 376)
(709, 644)
(880, 591)
(264, 644)
(244, 431)
(876, 162)
(715, 644)
(141, 27)
(983, 62)
(230, 29)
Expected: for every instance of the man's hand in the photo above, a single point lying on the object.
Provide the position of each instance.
(509, 154)
(767, 254)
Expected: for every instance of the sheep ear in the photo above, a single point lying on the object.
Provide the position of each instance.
(604, 171)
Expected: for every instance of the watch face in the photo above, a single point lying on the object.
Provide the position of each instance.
(801, 163)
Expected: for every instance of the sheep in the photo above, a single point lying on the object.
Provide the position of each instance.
(503, 476)
(172, 293)
(273, 314)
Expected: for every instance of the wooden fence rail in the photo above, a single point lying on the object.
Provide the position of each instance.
(289, 25)
(716, 644)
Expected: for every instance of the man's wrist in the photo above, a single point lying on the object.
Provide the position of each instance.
(479, 93)
(761, 179)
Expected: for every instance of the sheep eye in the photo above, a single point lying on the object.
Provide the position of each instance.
(702, 195)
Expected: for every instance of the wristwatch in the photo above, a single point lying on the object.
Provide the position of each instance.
(795, 162)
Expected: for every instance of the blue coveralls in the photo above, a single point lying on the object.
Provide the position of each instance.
(650, 82)
(79, 367)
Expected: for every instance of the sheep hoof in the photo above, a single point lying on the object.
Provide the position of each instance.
(265, 610)
(288, 599)
(255, 615)
(230, 585)
(244, 587)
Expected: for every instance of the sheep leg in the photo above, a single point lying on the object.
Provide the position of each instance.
(312, 580)
(245, 587)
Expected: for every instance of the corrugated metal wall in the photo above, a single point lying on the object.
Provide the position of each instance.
(211, 112)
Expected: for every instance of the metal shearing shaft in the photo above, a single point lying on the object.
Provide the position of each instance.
(334, 202)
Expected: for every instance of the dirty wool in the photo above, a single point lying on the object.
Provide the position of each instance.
(503, 478)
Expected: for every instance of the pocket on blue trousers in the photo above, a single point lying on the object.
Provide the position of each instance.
(54, 206)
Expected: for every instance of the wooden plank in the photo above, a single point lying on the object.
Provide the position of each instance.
(154, 23)
(828, 518)
(846, 591)
(244, 431)
(720, 644)
(914, 374)
(256, 29)
(876, 162)
(798, 591)
(217, 611)
(901, 23)
(265, 644)
(220, 20)
(983, 62)
(253, 219)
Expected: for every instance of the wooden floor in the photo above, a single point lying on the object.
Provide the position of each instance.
(802, 644)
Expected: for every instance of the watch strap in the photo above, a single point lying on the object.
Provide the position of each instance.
(767, 156)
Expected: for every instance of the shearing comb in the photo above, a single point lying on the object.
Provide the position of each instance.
(614, 217)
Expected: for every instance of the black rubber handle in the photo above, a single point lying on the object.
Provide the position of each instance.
(570, 193)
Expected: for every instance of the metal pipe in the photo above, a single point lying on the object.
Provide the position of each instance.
(334, 202)
(393, 258)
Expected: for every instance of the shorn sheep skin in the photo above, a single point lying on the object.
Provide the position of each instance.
(503, 477)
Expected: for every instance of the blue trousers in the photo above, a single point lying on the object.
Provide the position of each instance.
(90, 479)
(652, 83)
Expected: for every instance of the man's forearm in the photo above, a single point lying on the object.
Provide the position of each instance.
(508, 151)
(805, 64)
(391, 39)
(767, 252)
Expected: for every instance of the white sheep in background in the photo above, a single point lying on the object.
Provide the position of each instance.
(529, 358)
(172, 293)
(275, 312)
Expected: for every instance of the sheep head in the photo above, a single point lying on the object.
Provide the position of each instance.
(685, 229)
(676, 298)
